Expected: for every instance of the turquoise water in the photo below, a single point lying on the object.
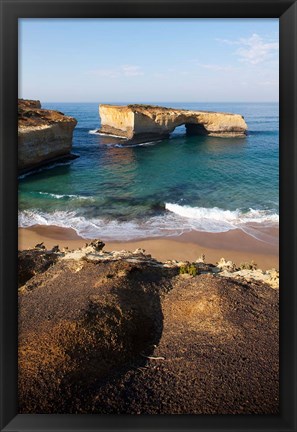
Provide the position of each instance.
(119, 192)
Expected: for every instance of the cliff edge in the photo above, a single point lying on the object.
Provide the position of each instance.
(43, 135)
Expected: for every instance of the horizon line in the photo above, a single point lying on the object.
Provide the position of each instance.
(151, 102)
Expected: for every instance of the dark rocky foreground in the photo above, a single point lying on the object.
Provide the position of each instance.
(122, 333)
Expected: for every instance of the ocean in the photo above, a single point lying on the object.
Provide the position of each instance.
(161, 188)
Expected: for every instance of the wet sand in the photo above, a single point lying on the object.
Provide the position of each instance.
(233, 245)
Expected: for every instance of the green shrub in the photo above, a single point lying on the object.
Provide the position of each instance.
(190, 269)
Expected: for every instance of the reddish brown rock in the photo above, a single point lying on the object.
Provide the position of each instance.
(26, 104)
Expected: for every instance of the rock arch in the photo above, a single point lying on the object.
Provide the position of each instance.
(142, 122)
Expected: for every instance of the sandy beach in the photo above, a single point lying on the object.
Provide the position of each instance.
(233, 245)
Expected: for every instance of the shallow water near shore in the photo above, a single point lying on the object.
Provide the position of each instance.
(162, 188)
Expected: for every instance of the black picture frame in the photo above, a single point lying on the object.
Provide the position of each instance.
(11, 11)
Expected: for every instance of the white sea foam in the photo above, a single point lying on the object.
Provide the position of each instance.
(225, 217)
(89, 228)
(144, 144)
(95, 132)
(198, 213)
(148, 143)
(57, 196)
(252, 222)
(176, 221)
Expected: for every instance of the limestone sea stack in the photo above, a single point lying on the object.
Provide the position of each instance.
(44, 136)
(148, 122)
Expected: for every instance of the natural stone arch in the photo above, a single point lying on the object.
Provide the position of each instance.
(143, 122)
(192, 128)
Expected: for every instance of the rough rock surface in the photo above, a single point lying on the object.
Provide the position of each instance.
(43, 135)
(25, 104)
(119, 332)
(32, 262)
(143, 122)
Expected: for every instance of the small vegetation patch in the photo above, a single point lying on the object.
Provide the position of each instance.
(190, 269)
(145, 106)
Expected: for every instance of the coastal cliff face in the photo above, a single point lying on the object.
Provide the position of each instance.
(43, 135)
(154, 122)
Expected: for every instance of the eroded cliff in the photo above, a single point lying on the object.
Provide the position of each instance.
(141, 122)
(43, 135)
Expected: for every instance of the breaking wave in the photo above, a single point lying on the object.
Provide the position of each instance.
(173, 222)
(217, 216)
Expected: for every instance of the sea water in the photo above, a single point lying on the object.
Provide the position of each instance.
(115, 191)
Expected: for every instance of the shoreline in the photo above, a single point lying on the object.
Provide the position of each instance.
(234, 245)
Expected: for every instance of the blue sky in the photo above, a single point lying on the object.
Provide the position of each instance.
(149, 60)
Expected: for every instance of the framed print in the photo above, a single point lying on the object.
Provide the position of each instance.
(148, 234)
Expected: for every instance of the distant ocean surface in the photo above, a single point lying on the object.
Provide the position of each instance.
(161, 188)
